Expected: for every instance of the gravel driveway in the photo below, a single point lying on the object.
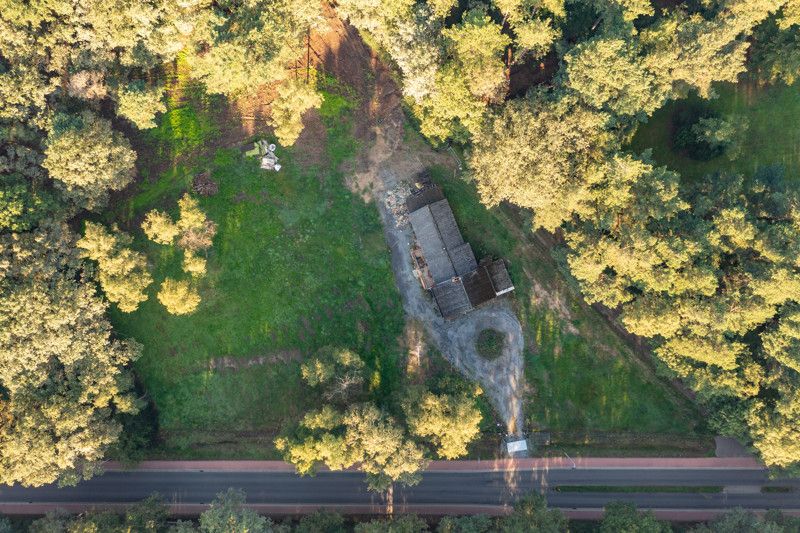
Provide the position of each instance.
(501, 378)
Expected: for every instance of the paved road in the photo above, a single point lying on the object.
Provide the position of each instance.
(439, 492)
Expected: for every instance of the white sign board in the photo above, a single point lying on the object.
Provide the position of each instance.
(517, 446)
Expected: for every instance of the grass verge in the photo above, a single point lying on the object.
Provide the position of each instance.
(774, 489)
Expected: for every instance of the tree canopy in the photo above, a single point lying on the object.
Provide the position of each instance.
(537, 154)
(363, 435)
(228, 515)
(450, 422)
(122, 272)
(63, 374)
(87, 158)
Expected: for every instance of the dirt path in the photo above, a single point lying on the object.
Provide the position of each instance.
(383, 168)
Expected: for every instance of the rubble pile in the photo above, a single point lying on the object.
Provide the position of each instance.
(204, 185)
(395, 201)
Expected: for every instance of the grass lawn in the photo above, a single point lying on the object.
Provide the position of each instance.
(298, 263)
(585, 385)
(773, 137)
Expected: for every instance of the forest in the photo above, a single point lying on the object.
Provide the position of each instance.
(551, 101)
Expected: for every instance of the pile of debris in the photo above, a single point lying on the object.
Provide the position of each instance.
(204, 185)
(266, 151)
(396, 203)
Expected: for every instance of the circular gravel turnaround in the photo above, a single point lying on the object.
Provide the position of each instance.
(502, 377)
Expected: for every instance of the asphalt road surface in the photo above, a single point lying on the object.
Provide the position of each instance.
(483, 491)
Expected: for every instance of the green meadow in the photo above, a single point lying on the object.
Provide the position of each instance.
(298, 263)
(773, 137)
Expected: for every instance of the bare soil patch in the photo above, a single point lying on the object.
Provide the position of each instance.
(310, 147)
(236, 363)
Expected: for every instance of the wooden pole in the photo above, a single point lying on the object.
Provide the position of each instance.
(308, 54)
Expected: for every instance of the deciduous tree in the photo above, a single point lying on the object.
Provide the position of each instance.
(722, 134)
(741, 521)
(193, 264)
(159, 227)
(295, 97)
(338, 371)
(21, 208)
(178, 296)
(87, 158)
(63, 374)
(535, 37)
(465, 524)
(122, 272)
(405, 523)
(776, 53)
(253, 43)
(691, 51)
(410, 34)
(197, 231)
(148, 516)
(537, 153)
(776, 428)
(229, 515)
(477, 45)
(533, 24)
(623, 516)
(25, 199)
(531, 514)
(140, 104)
(450, 110)
(608, 75)
(361, 435)
(450, 422)
(782, 341)
(321, 522)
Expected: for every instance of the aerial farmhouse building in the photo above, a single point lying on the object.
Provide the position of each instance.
(446, 264)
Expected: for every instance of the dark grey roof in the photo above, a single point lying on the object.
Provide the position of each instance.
(439, 263)
(446, 222)
(437, 233)
(478, 286)
(500, 278)
(459, 282)
(463, 259)
(451, 298)
(422, 197)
